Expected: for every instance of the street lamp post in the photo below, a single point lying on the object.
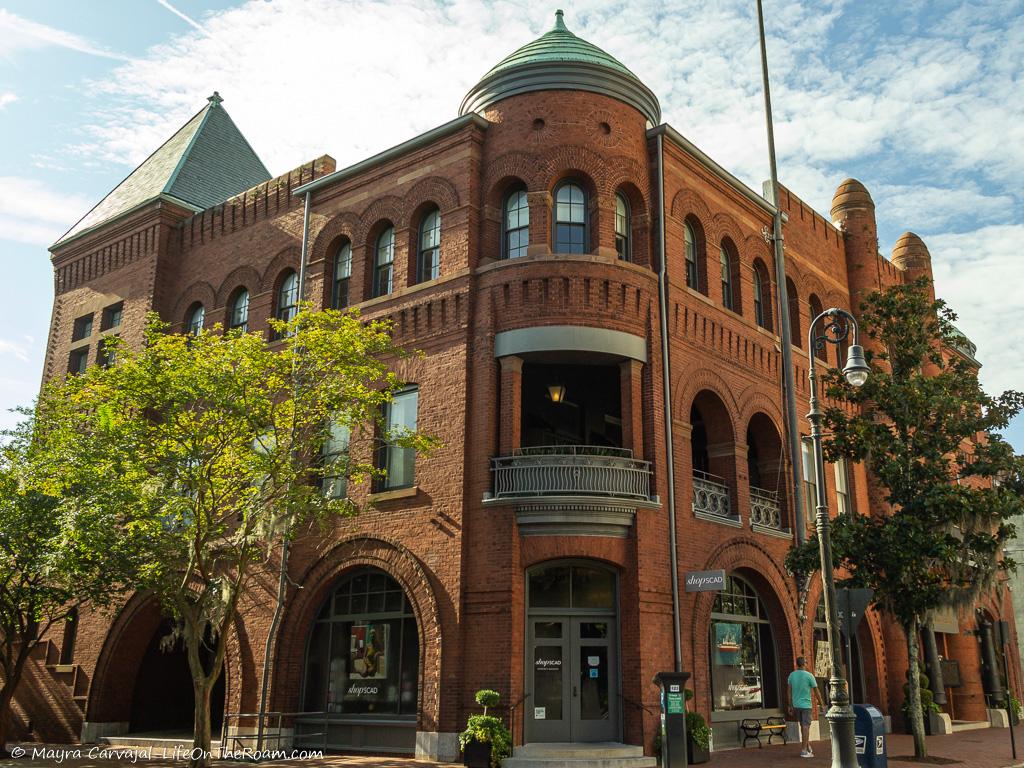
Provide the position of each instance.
(840, 715)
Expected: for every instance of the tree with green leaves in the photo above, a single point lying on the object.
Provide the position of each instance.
(928, 435)
(211, 444)
(57, 555)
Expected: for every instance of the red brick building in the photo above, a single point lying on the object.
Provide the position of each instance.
(545, 249)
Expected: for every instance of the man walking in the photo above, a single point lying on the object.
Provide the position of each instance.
(801, 687)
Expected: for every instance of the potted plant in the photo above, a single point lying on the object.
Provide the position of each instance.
(698, 736)
(486, 740)
(928, 705)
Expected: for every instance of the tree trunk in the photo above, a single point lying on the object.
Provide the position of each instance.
(914, 690)
(6, 697)
(201, 735)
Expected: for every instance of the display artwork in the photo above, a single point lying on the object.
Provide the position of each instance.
(368, 650)
(822, 659)
(727, 643)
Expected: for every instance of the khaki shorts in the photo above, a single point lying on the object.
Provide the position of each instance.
(803, 716)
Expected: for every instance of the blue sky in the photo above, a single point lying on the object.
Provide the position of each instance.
(922, 101)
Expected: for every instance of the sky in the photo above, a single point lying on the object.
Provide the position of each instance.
(921, 101)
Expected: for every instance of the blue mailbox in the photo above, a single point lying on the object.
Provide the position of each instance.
(869, 734)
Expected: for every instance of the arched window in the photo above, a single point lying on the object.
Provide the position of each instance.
(693, 239)
(794, 313)
(762, 296)
(814, 304)
(384, 262)
(516, 224)
(570, 218)
(196, 318)
(429, 261)
(287, 299)
(363, 653)
(623, 240)
(238, 317)
(67, 645)
(744, 668)
(342, 275)
(725, 262)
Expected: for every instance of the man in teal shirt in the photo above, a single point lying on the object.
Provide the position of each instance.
(802, 686)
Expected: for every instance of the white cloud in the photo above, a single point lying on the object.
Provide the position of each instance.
(17, 349)
(32, 213)
(18, 33)
(7, 98)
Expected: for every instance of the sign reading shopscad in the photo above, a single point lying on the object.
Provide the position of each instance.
(705, 581)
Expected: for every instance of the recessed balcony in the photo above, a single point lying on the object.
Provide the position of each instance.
(573, 489)
(711, 498)
(766, 512)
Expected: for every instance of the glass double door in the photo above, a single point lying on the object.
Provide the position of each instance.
(572, 679)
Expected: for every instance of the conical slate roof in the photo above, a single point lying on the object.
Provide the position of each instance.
(559, 60)
(207, 161)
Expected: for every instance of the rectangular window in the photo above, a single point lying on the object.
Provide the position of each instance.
(79, 360)
(810, 486)
(112, 316)
(397, 462)
(83, 328)
(335, 461)
(842, 488)
(106, 356)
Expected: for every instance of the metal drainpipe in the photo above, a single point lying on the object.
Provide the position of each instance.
(282, 582)
(670, 473)
(786, 335)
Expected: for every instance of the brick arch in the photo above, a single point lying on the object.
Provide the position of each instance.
(389, 207)
(200, 291)
(746, 557)
(566, 160)
(722, 226)
(517, 165)
(687, 202)
(695, 381)
(624, 171)
(288, 258)
(240, 277)
(754, 247)
(317, 582)
(113, 680)
(433, 189)
(753, 402)
(344, 224)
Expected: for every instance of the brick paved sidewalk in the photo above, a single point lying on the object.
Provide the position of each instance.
(988, 748)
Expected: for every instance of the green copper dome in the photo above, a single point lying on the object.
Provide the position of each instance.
(558, 60)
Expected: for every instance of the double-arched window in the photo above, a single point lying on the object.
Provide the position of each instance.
(623, 225)
(384, 262)
(429, 257)
(342, 275)
(196, 319)
(515, 224)
(238, 313)
(570, 218)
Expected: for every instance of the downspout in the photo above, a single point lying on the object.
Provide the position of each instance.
(282, 580)
(666, 384)
(786, 335)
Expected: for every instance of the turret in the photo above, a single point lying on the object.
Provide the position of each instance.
(910, 254)
(853, 211)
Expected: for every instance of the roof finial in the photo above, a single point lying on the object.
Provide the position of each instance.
(559, 22)
(215, 99)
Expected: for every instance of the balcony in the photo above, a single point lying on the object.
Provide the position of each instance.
(711, 499)
(766, 512)
(572, 489)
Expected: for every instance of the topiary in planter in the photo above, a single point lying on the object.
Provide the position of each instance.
(486, 740)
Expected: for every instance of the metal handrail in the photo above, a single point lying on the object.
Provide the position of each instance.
(238, 741)
(512, 720)
(571, 471)
(708, 477)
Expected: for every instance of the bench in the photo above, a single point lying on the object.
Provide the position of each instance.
(755, 728)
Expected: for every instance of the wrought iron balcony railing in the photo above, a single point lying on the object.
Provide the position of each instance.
(711, 496)
(571, 470)
(765, 510)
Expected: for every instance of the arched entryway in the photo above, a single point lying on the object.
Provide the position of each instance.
(163, 699)
(572, 653)
(361, 668)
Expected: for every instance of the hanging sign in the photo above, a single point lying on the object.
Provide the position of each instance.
(705, 581)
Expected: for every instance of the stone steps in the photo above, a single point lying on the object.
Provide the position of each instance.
(579, 755)
(969, 725)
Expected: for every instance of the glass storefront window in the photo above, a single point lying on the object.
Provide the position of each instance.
(572, 586)
(363, 652)
(744, 672)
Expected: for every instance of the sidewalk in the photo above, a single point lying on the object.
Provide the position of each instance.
(989, 748)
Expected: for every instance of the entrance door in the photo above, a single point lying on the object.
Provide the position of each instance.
(573, 679)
